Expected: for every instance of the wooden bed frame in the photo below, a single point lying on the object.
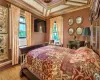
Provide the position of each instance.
(24, 51)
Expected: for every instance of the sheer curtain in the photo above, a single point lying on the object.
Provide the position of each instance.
(14, 27)
(59, 23)
(91, 37)
(95, 22)
(28, 28)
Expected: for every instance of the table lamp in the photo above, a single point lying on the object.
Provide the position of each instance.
(86, 32)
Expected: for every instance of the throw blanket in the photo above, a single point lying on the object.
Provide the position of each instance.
(58, 63)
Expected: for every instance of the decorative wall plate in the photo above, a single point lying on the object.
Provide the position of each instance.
(79, 20)
(70, 21)
(79, 30)
(71, 31)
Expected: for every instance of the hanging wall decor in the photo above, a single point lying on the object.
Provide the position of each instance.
(79, 30)
(70, 21)
(3, 46)
(79, 20)
(71, 31)
(3, 33)
(3, 19)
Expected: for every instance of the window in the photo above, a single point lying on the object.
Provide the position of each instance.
(55, 34)
(22, 32)
(22, 28)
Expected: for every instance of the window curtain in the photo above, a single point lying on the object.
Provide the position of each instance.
(14, 27)
(94, 10)
(28, 28)
(59, 23)
(95, 24)
(91, 37)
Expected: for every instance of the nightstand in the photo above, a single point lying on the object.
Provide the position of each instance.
(75, 44)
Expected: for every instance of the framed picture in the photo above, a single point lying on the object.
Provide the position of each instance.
(70, 21)
(79, 30)
(3, 47)
(71, 31)
(3, 19)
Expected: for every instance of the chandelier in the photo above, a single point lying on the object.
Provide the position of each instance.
(47, 1)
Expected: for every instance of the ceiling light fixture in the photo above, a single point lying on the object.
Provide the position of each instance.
(47, 1)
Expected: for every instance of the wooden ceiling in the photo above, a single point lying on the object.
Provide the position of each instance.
(54, 8)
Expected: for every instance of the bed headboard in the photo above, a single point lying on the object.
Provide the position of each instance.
(25, 50)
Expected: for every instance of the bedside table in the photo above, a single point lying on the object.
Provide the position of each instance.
(75, 44)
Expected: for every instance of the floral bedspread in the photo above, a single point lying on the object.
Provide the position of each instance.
(58, 63)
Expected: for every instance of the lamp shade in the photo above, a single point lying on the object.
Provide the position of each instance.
(86, 31)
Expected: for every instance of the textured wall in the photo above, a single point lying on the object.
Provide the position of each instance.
(3, 3)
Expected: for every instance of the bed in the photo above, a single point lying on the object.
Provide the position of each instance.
(48, 62)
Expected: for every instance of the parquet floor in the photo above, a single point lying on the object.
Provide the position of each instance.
(11, 74)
